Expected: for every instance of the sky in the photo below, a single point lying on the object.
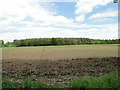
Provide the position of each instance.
(21, 19)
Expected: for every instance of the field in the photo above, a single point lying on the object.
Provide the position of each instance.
(59, 52)
(59, 64)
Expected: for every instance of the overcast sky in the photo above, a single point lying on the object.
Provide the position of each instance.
(21, 19)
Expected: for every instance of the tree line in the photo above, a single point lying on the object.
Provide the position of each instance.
(57, 41)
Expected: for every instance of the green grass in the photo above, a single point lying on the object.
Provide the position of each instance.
(27, 83)
(110, 80)
(0, 82)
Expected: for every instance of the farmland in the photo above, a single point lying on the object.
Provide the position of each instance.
(59, 52)
(59, 64)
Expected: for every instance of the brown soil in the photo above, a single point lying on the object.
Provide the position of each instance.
(59, 70)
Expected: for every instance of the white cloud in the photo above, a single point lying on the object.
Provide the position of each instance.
(84, 7)
(103, 32)
(99, 20)
(20, 19)
(109, 13)
(94, 32)
(80, 18)
(18, 10)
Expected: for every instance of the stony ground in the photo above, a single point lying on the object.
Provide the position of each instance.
(59, 71)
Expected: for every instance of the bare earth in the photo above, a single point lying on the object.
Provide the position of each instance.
(59, 64)
(60, 70)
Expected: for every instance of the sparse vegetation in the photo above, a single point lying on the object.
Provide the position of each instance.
(26, 83)
(110, 80)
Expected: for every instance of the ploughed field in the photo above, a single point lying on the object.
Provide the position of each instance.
(59, 64)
